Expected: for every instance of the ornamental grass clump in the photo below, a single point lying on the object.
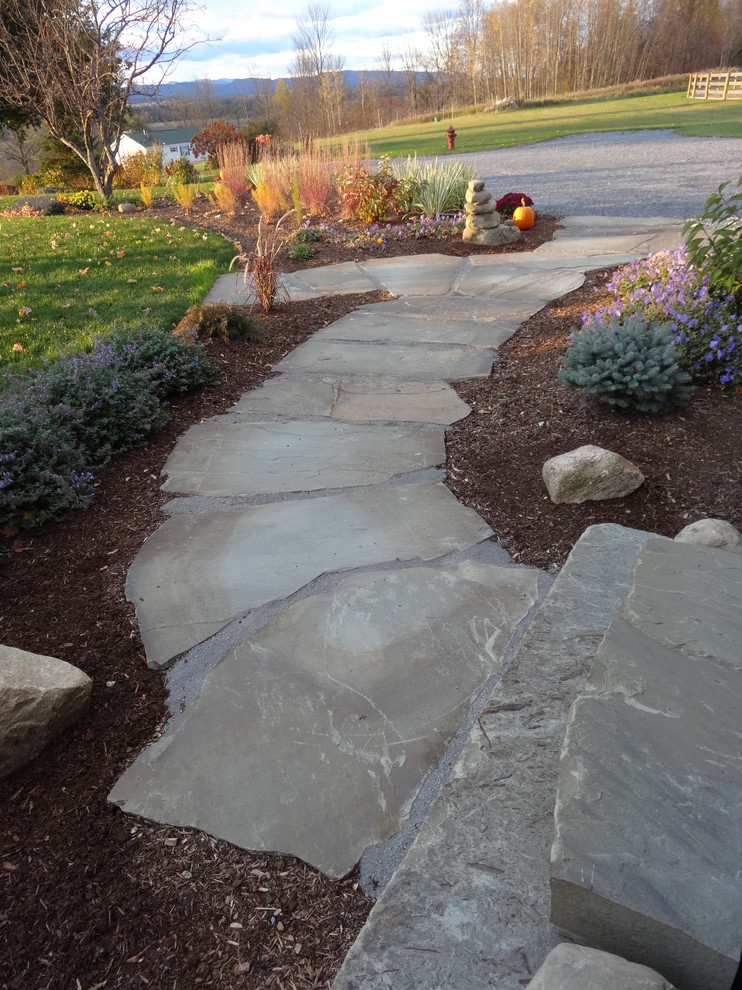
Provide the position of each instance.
(632, 364)
(223, 321)
(61, 422)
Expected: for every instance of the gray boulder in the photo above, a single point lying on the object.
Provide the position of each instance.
(590, 473)
(127, 208)
(493, 237)
(712, 533)
(40, 697)
(575, 967)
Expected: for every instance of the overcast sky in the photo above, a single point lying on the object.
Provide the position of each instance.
(256, 37)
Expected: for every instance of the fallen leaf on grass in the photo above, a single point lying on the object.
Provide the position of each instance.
(157, 288)
(83, 271)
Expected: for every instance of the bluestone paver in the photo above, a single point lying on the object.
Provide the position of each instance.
(356, 400)
(314, 737)
(422, 362)
(223, 457)
(199, 571)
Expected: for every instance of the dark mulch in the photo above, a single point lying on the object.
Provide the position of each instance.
(691, 459)
(90, 895)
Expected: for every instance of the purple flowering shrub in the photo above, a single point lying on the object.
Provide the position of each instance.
(668, 288)
(60, 422)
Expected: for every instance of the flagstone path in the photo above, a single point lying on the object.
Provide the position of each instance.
(337, 607)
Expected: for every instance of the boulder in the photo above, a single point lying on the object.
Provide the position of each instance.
(127, 208)
(712, 533)
(493, 237)
(575, 967)
(39, 698)
(478, 197)
(590, 473)
(476, 185)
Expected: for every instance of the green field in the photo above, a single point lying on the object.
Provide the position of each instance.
(505, 129)
(66, 279)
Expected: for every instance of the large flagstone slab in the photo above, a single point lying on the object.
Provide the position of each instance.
(313, 738)
(487, 278)
(455, 307)
(647, 849)
(356, 400)
(370, 326)
(340, 279)
(415, 362)
(198, 572)
(416, 275)
(222, 457)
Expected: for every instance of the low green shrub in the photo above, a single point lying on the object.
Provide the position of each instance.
(180, 171)
(631, 364)
(60, 422)
(714, 241)
(307, 235)
(85, 199)
(299, 252)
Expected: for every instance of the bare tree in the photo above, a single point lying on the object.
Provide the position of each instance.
(75, 63)
(19, 145)
(314, 60)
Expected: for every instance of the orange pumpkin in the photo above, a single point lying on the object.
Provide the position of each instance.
(524, 217)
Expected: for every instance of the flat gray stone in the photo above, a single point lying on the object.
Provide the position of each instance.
(461, 308)
(468, 908)
(313, 738)
(412, 402)
(289, 397)
(341, 279)
(368, 326)
(40, 697)
(576, 967)
(223, 458)
(646, 856)
(356, 400)
(420, 362)
(198, 572)
(417, 275)
(493, 276)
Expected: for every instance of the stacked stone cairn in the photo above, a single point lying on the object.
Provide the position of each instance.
(483, 221)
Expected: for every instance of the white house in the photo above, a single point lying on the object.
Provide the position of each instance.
(175, 144)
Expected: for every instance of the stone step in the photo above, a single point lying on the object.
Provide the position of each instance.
(646, 858)
(468, 908)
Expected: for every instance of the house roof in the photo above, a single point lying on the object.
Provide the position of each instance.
(179, 135)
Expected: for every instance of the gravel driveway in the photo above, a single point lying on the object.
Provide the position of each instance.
(619, 173)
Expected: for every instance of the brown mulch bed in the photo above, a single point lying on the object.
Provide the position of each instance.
(523, 416)
(88, 894)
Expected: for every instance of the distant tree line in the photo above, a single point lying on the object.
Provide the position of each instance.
(478, 54)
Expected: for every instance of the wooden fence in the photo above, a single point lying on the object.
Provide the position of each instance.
(715, 85)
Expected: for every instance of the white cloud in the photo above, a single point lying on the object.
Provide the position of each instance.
(260, 40)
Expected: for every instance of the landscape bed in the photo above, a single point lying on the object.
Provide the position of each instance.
(95, 898)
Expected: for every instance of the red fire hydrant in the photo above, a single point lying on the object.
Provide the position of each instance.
(451, 138)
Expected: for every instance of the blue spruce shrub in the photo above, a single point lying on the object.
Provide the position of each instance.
(630, 363)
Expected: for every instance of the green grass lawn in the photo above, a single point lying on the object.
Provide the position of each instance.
(485, 131)
(66, 279)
